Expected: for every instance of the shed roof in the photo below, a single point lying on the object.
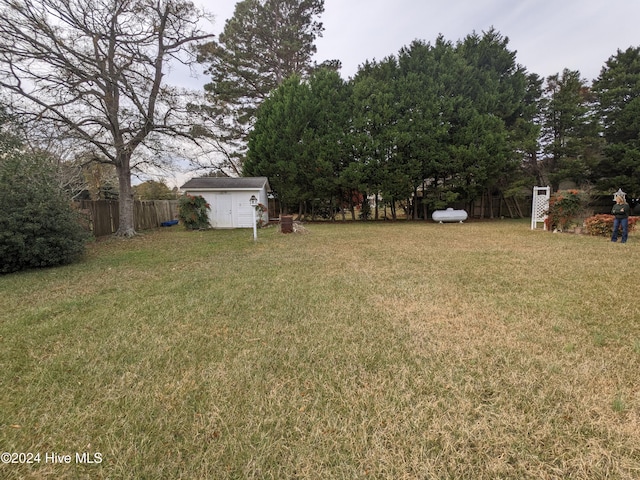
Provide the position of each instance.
(227, 183)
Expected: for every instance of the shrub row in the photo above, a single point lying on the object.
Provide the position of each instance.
(602, 225)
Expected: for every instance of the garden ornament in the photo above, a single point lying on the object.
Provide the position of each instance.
(620, 194)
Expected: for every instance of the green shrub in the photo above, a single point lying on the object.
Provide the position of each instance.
(193, 212)
(38, 227)
(602, 225)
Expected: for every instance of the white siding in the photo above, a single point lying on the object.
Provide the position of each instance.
(244, 217)
(231, 209)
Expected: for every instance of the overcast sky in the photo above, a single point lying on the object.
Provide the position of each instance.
(548, 35)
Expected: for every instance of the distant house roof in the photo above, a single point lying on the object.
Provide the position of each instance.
(227, 183)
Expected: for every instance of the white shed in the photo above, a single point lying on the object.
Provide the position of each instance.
(229, 198)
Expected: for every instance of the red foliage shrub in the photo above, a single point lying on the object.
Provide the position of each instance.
(602, 225)
(564, 208)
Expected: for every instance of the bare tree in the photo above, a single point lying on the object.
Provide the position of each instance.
(94, 71)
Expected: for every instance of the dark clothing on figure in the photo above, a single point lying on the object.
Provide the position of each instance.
(621, 211)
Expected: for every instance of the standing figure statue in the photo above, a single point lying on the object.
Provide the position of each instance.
(621, 210)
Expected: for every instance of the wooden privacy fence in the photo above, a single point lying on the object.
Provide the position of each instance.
(102, 215)
(497, 206)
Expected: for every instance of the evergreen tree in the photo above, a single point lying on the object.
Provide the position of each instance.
(38, 228)
(8, 137)
(491, 92)
(263, 44)
(299, 141)
(433, 74)
(569, 130)
(277, 142)
(328, 148)
(427, 71)
(618, 98)
(525, 136)
(375, 114)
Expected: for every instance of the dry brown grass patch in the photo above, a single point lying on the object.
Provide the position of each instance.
(400, 351)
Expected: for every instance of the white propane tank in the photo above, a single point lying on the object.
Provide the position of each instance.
(449, 215)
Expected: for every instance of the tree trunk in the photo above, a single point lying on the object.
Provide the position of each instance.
(377, 208)
(352, 207)
(425, 206)
(490, 201)
(126, 224)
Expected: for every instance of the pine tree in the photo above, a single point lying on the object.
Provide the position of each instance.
(277, 142)
(263, 43)
(569, 135)
(618, 97)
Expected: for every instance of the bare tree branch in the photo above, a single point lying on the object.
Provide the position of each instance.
(94, 70)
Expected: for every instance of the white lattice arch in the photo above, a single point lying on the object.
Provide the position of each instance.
(539, 206)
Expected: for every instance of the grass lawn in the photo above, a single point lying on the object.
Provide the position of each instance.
(481, 350)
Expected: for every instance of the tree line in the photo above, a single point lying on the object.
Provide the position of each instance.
(445, 123)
